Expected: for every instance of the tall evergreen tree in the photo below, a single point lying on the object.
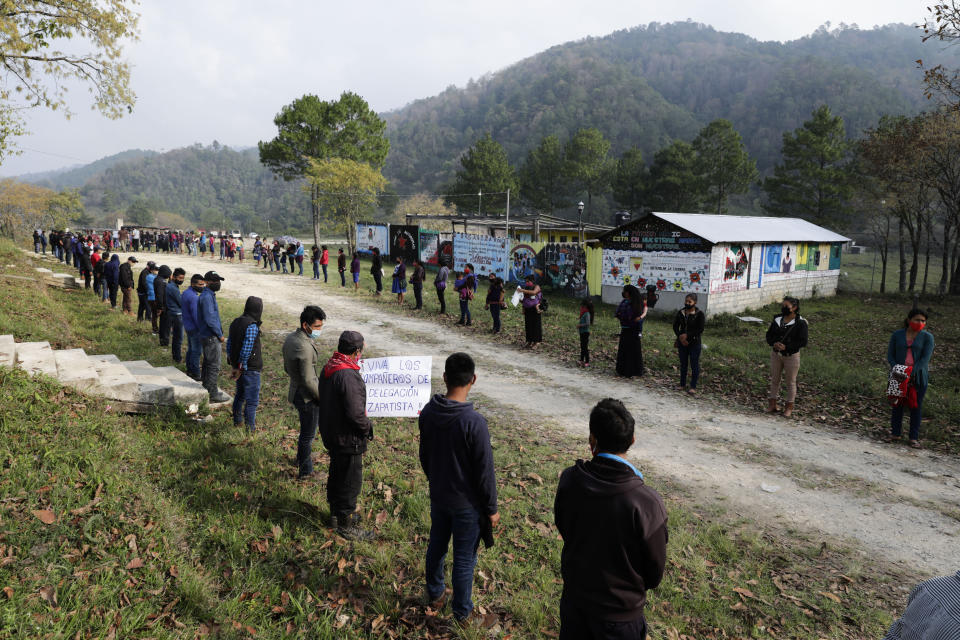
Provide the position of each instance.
(587, 165)
(722, 163)
(543, 184)
(484, 168)
(674, 185)
(629, 180)
(813, 182)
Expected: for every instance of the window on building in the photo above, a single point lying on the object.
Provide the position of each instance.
(563, 238)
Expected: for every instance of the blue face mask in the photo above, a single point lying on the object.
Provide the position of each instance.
(316, 333)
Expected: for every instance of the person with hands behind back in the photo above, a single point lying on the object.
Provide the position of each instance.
(688, 327)
(911, 346)
(787, 334)
(457, 459)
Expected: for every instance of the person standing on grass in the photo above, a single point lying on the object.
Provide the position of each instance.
(787, 334)
(173, 312)
(211, 336)
(631, 312)
(244, 355)
(188, 304)
(298, 254)
(912, 347)
(97, 261)
(457, 458)
(355, 271)
(126, 285)
(324, 261)
(143, 303)
(532, 318)
(315, 261)
(399, 280)
(440, 283)
(342, 267)
(583, 328)
(152, 297)
(300, 355)
(376, 270)
(416, 281)
(345, 430)
(464, 287)
(688, 327)
(111, 277)
(160, 298)
(614, 531)
(494, 302)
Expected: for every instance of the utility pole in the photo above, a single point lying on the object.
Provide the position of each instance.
(508, 219)
(479, 200)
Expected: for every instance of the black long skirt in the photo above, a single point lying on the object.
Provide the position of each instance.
(533, 324)
(630, 354)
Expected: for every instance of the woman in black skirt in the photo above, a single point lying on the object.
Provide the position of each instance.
(631, 313)
(532, 321)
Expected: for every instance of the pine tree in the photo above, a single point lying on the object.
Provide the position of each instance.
(674, 185)
(484, 169)
(543, 185)
(722, 163)
(629, 180)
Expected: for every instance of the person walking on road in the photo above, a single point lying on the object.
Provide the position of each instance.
(911, 347)
(126, 285)
(300, 355)
(244, 354)
(345, 430)
(457, 458)
(787, 334)
(211, 336)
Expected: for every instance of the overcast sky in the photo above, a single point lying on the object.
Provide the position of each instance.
(209, 70)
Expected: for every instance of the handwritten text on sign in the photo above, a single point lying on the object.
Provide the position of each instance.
(397, 386)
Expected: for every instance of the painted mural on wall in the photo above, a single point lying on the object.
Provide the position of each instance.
(668, 270)
(728, 268)
(404, 241)
(654, 234)
(772, 258)
(370, 236)
(429, 247)
(736, 260)
(522, 262)
(487, 255)
(563, 268)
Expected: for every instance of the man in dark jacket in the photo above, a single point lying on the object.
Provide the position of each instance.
(160, 306)
(457, 459)
(210, 332)
(144, 310)
(416, 280)
(300, 356)
(376, 270)
(126, 285)
(244, 355)
(173, 312)
(614, 530)
(111, 279)
(345, 430)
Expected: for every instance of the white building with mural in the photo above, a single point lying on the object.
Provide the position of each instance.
(732, 263)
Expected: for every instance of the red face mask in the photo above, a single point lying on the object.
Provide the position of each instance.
(917, 326)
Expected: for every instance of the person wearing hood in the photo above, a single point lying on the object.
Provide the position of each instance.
(85, 266)
(173, 312)
(188, 304)
(300, 355)
(244, 355)
(614, 530)
(210, 332)
(125, 280)
(143, 302)
(457, 458)
(160, 298)
(345, 430)
(111, 277)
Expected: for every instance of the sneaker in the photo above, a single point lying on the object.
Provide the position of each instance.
(479, 620)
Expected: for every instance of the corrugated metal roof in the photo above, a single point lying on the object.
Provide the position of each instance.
(718, 228)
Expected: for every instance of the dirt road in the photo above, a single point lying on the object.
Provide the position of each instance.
(890, 501)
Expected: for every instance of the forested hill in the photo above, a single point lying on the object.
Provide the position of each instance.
(75, 177)
(648, 85)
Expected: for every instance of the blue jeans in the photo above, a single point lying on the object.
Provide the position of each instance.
(464, 526)
(464, 312)
(246, 399)
(324, 273)
(316, 270)
(896, 419)
(309, 418)
(194, 351)
(176, 335)
(692, 354)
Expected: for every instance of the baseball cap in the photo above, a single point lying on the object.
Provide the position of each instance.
(132, 259)
(212, 275)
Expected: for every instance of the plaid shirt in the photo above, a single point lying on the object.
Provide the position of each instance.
(247, 347)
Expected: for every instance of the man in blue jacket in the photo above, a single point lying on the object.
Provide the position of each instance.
(174, 312)
(152, 295)
(188, 304)
(457, 459)
(211, 337)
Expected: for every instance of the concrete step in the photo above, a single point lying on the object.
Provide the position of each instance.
(8, 351)
(65, 280)
(115, 381)
(159, 394)
(75, 369)
(185, 389)
(43, 271)
(36, 357)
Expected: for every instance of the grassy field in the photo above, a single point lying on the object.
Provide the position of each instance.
(162, 526)
(862, 272)
(843, 373)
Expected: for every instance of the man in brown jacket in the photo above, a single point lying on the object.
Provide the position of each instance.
(300, 355)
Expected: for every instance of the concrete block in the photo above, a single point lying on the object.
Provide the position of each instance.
(8, 351)
(76, 370)
(65, 280)
(36, 357)
(114, 381)
(159, 394)
(107, 357)
(43, 271)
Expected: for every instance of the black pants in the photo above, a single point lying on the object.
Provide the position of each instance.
(418, 294)
(577, 624)
(495, 314)
(343, 484)
(533, 325)
(585, 347)
(441, 293)
(309, 414)
(112, 288)
(378, 278)
(164, 328)
(143, 307)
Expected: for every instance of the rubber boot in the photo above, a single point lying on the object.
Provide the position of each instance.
(771, 405)
(788, 410)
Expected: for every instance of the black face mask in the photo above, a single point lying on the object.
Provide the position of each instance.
(689, 305)
(197, 289)
(785, 310)
(179, 283)
(214, 286)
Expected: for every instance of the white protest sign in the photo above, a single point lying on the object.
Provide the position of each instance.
(515, 300)
(397, 386)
